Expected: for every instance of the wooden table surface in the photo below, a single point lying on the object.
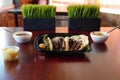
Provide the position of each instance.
(102, 63)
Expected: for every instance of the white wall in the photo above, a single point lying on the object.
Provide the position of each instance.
(4, 3)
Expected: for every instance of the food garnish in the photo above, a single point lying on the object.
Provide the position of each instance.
(42, 45)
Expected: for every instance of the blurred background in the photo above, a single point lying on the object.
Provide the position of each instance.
(109, 10)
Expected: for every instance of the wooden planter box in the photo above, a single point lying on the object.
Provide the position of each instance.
(84, 24)
(39, 24)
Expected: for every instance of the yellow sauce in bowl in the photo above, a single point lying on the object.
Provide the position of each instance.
(98, 33)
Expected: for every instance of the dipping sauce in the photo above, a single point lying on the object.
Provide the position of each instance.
(21, 34)
(98, 33)
(99, 37)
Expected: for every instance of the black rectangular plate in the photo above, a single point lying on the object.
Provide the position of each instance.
(39, 39)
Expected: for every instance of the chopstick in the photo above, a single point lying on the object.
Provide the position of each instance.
(7, 30)
(113, 29)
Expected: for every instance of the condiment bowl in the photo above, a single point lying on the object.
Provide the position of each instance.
(22, 36)
(10, 53)
(99, 37)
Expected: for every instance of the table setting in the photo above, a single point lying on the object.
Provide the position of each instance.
(85, 61)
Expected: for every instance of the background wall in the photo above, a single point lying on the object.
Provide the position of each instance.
(17, 3)
(4, 3)
(110, 19)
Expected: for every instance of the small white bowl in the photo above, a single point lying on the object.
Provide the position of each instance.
(10, 53)
(22, 36)
(99, 37)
